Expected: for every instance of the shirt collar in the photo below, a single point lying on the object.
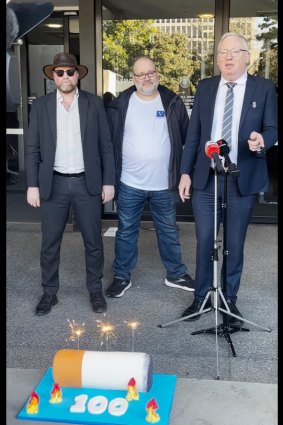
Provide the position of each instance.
(241, 80)
(60, 97)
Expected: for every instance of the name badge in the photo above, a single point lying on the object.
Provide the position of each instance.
(160, 114)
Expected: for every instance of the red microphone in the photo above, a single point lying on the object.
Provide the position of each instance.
(212, 150)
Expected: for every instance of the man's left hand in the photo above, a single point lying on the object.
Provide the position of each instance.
(255, 141)
(108, 193)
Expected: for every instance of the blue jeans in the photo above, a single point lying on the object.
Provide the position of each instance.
(130, 205)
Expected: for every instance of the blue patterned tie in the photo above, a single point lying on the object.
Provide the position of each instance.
(227, 117)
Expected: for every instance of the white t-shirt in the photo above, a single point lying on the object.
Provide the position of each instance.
(146, 145)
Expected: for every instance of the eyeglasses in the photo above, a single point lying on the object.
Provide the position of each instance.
(69, 72)
(234, 52)
(142, 76)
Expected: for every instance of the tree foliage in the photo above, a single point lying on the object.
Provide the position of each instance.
(126, 40)
(171, 56)
(268, 64)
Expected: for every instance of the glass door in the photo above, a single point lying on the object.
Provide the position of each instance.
(182, 47)
(260, 27)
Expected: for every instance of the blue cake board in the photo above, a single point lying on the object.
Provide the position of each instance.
(162, 390)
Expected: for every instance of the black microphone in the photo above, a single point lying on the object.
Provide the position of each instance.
(212, 151)
(224, 151)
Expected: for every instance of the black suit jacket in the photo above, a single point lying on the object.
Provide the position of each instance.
(259, 113)
(96, 142)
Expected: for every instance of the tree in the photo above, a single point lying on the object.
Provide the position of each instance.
(268, 64)
(124, 41)
(171, 55)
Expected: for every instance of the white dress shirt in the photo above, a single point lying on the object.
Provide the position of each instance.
(69, 152)
(216, 131)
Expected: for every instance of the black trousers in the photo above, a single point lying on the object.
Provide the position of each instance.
(71, 192)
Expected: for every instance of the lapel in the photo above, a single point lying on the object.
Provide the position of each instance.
(51, 112)
(212, 97)
(83, 104)
(250, 88)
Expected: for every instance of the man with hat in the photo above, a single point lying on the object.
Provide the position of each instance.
(69, 163)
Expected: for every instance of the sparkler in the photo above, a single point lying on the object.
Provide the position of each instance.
(76, 331)
(133, 326)
(106, 331)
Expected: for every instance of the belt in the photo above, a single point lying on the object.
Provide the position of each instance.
(69, 175)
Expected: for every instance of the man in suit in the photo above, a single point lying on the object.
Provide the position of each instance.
(69, 162)
(253, 131)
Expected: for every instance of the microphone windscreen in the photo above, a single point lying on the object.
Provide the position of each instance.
(210, 148)
(223, 145)
(12, 27)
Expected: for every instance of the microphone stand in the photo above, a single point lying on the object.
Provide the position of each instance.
(223, 329)
(219, 329)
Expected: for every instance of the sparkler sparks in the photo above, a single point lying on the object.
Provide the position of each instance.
(133, 326)
(76, 331)
(106, 331)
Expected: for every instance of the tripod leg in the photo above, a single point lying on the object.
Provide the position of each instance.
(206, 310)
(228, 339)
(243, 319)
(201, 310)
(204, 331)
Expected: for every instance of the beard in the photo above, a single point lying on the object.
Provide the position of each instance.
(66, 87)
(148, 89)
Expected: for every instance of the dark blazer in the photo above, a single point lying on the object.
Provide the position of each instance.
(96, 141)
(259, 113)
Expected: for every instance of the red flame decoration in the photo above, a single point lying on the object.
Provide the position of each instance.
(152, 403)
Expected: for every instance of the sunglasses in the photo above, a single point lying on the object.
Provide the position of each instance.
(69, 72)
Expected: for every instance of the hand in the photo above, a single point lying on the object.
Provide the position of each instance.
(255, 141)
(108, 193)
(184, 187)
(33, 196)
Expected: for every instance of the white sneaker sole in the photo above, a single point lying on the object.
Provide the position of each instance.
(121, 293)
(175, 285)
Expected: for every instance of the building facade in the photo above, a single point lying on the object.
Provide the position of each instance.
(107, 35)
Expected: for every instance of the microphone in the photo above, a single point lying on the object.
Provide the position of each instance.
(224, 151)
(212, 151)
(12, 27)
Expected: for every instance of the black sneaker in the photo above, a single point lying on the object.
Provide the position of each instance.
(118, 287)
(184, 282)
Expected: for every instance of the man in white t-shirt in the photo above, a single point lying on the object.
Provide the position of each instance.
(148, 123)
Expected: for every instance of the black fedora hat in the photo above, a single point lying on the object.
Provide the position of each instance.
(64, 59)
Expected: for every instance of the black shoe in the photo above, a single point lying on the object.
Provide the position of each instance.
(45, 304)
(118, 287)
(230, 320)
(98, 302)
(183, 282)
(195, 308)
